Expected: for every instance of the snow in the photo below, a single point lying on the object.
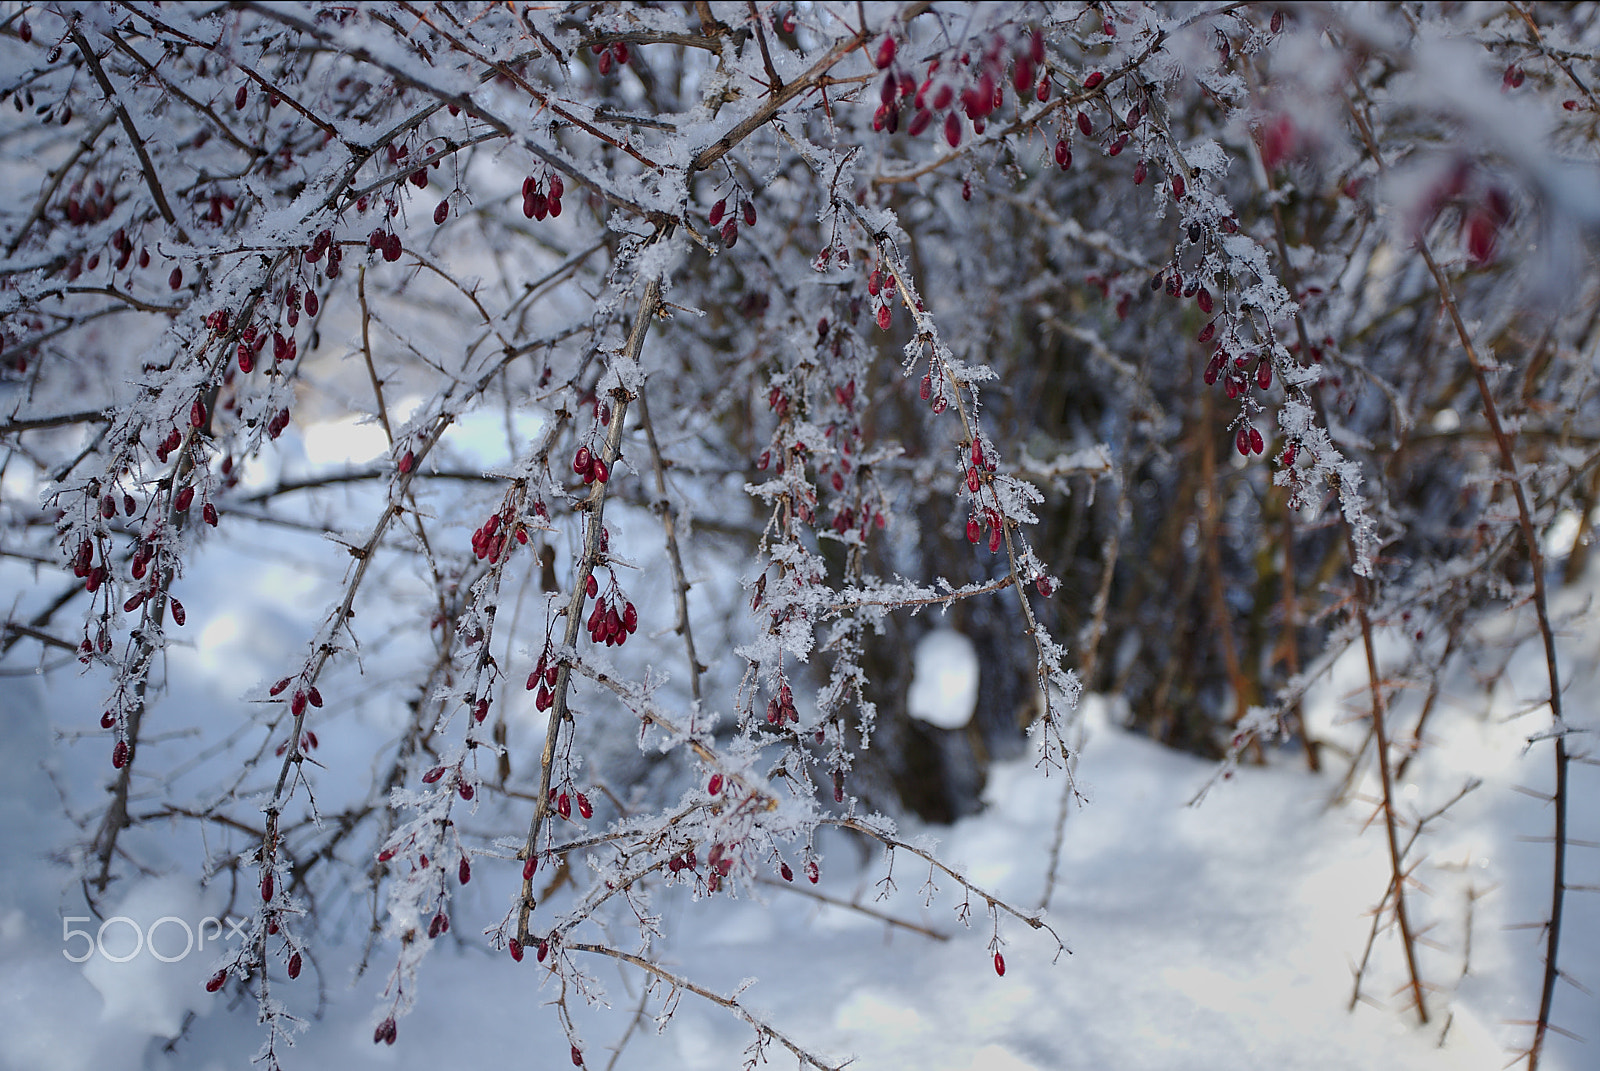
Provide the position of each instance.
(1199, 937)
(944, 685)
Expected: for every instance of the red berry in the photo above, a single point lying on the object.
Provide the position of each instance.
(119, 755)
(1085, 125)
(1242, 441)
(107, 720)
(175, 280)
(813, 875)
(1093, 80)
(952, 129)
(1178, 187)
(584, 808)
(714, 786)
(514, 946)
(973, 532)
(999, 965)
(885, 54)
(464, 871)
(1257, 443)
(294, 965)
(433, 775)
(601, 473)
(717, 211)
(208, 513)
(564, 805)
(582, 460)
(749, 213)
(216, 981)
(529, 865)
(266, 886)
(885, 317)
(441, 212)
(785, 872)
(178, 615)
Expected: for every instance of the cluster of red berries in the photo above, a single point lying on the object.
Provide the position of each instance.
(83, 211)
(780, 708)
(562, 802)
(881, 288)
(980, 97)
(323, 244)
(542, 197)
(308, 743)
(720, 216)
(173, 440)
(124, 247)
(387, 243)
(991, 521)
(276, 426)
(614, 55)
(543, 678)
(591, 466)
(301, 697)
(613, 618)
(489, 540)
